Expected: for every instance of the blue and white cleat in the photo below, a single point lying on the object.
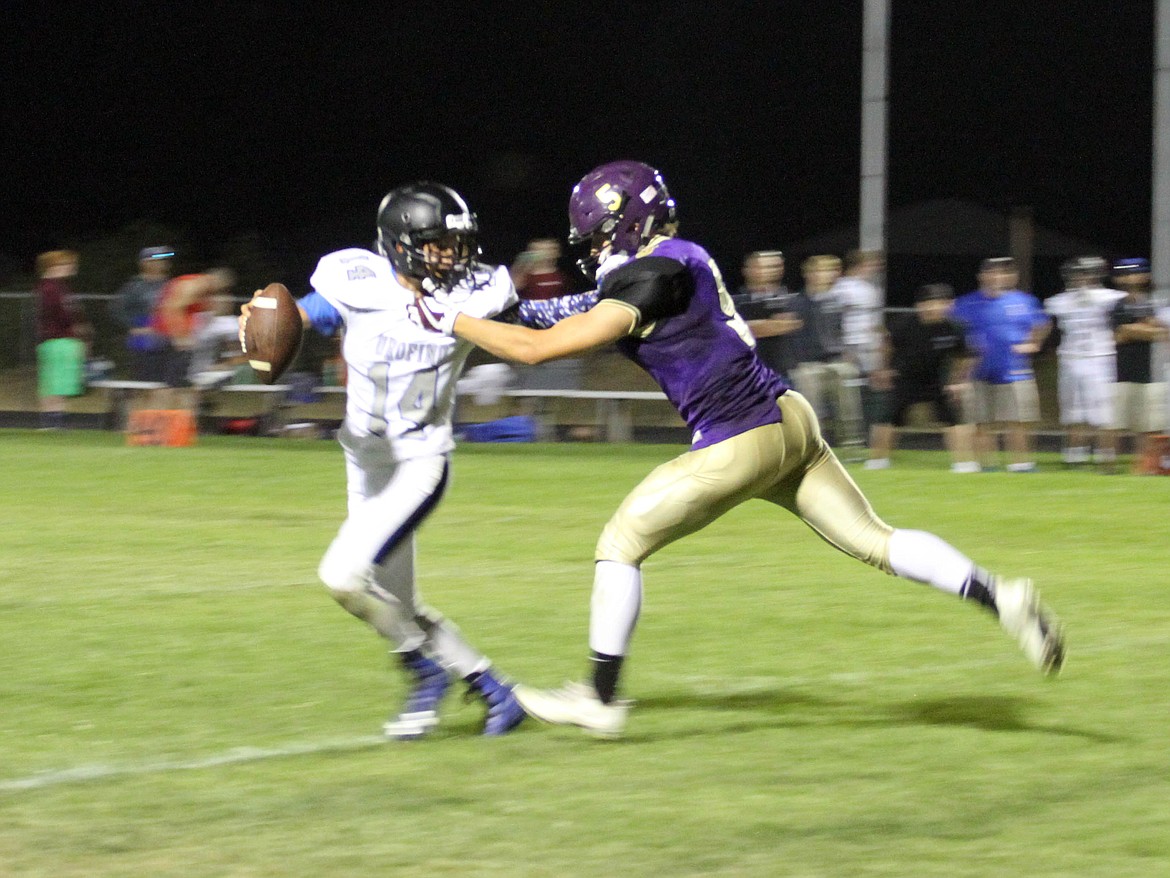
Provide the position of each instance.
(420, 714)
(504, 712)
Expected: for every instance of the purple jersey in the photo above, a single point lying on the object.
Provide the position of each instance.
(690, 339)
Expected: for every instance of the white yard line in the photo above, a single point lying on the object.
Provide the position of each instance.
(235, 756)
(700, 684)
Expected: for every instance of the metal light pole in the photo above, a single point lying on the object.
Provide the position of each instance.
(1160, 212)
(874, 106)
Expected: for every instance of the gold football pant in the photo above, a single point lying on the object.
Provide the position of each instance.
(788, 464)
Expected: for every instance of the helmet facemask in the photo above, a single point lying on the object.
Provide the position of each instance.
(440, 259)
(594, 248)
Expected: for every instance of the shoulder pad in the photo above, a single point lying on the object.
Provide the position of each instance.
(356, 279)
(657, 287)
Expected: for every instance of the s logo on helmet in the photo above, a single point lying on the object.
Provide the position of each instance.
(610, 197)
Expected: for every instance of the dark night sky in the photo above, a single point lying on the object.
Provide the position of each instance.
(293, 119)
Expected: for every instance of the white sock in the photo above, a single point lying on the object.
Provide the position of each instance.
(923, 557)
(446, 645)
(617, 600)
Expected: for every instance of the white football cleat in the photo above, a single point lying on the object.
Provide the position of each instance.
(574, 704)
(409, 726)
(1038, 634)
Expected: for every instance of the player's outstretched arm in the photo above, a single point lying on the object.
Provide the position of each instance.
(573, 335)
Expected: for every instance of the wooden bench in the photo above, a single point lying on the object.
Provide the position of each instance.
(614, 408)
(121, 394)
(276, 402)
(126, 394)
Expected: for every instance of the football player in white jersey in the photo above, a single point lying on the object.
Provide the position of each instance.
(397, 436)
(1087, 357)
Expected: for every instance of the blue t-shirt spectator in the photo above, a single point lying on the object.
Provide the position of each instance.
(994, 324)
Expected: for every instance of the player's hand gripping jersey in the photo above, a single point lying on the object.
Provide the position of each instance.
(690, 339)
(401, 378)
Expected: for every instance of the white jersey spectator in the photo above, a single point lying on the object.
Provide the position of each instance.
(1083, 318)
(860, 303)
(1087, 357)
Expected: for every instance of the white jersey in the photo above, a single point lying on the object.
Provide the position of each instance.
(401, 377)
(861, 320)
(1083, 317)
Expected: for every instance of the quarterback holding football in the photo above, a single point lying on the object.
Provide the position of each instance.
(397, 434)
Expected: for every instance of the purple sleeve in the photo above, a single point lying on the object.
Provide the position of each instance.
(543, 313)
(323, 317)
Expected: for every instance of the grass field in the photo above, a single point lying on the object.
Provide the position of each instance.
(181, 698)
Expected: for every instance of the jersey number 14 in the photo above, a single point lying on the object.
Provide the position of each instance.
(417, 403)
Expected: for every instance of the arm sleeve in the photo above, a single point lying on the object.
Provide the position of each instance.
(543, 313)
(323, 317)
(655, 287)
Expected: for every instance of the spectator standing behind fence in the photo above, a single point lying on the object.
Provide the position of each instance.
(62, 335)
(771, 311)
(921, 358)
(861, 303)
(177, 313)
(537, 276)
(824, 377)
(133, 307)
(1140, 397)
(535, 272)
(1087, 361)
(1004, 327)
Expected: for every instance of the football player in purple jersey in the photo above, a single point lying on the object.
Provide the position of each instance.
(662, 300)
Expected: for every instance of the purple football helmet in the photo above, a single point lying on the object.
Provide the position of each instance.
(618, 206)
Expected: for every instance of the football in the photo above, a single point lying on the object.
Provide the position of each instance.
(272, 332)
